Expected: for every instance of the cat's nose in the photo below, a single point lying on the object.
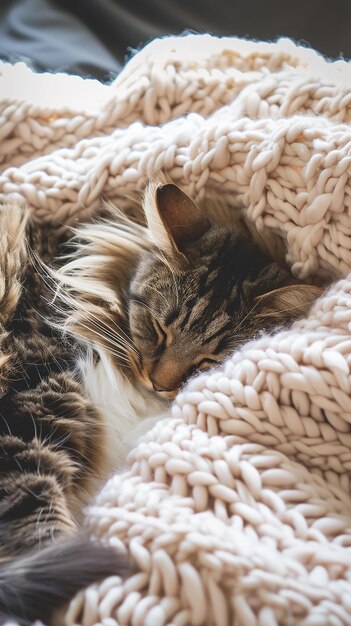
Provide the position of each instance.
(159, 387)
(167, 375)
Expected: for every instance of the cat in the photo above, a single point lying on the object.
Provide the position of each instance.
(142, 307)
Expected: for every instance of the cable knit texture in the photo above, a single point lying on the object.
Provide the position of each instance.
(236, 509)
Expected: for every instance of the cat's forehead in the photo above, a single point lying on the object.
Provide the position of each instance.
(161, 287)
(153, 265)
(206, 287)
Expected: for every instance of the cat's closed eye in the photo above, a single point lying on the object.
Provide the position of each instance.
(201, 366)
(206, 362)
(160, 332)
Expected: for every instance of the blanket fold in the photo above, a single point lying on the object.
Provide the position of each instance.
(236, 508)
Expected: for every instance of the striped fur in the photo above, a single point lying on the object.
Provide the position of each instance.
(154, 303)
(51, 450)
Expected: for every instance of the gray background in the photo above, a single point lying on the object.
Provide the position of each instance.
(95, 37)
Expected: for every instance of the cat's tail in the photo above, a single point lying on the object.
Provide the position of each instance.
(36, 586)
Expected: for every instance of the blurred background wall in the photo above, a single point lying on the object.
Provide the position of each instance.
(94, 37)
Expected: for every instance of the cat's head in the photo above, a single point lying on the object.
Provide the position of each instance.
(201, 291)
(177, 296)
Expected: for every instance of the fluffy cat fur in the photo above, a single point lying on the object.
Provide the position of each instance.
(142, 307)
(51, 440)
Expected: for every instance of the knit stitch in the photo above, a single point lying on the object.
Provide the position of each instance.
(236, 509)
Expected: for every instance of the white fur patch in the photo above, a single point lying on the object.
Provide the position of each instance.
(123, 407)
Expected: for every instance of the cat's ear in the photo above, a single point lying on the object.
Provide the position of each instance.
(174, 219)
(287, 303)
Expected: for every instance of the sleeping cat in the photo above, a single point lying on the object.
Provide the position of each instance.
(144, 308)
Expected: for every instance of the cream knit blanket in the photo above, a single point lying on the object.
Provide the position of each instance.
(236, 509)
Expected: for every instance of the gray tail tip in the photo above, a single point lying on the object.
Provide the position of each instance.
(35, 586)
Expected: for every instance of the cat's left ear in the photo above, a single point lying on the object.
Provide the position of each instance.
(174, 219)
(287, 303)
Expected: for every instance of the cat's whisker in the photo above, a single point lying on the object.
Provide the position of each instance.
(245, 318)
(124, 341)
(119, 355)
(7, 424)
(39, 530)
(174, 278)
(34, 426)
(104, 327)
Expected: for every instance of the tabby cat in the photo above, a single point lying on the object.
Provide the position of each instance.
(144, 308)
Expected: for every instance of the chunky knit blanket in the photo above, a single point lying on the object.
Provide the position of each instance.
(236, 509)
